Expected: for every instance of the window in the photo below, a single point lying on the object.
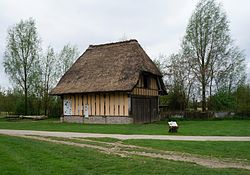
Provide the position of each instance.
(146, 81)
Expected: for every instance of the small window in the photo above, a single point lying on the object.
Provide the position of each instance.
(146, 81)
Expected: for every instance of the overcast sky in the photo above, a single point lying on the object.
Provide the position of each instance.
(158, 25)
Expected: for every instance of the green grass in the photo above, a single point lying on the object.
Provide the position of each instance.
(227, 150)
(219, 128)
(27, 156)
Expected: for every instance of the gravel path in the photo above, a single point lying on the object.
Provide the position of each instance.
(124, 137)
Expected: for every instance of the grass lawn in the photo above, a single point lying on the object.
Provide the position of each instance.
(226, 150)
(27, 156)
(234, 151)
(218, 128)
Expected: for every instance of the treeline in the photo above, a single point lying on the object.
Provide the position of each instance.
(33, 71)
(208, 72)
(12, 103)
(238, 101)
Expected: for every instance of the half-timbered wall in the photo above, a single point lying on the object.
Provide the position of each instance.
(100, 104)
(151, 90)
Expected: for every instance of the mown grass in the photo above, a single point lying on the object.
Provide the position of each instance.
(234, 151)
(218, 128)
(238, 151)
(27, 156)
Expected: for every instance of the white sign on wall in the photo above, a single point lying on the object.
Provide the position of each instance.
(86, 111)
(67, 107)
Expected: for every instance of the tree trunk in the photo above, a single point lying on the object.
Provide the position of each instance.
(25, 91)
(25, 100)
(203, 93)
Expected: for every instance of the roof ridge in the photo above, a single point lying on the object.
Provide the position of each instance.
(113, 43)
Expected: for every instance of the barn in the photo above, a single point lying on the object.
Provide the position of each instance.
(113, 83)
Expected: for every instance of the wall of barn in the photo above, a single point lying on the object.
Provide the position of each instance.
(100, 104)
(150, 90)
(138, 106)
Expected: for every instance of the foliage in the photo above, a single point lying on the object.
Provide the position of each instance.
(242, 96)
(176, 99)
(222, 101)
(208, 67)
(21, 60)
(33, 72)
(66, 57)
(12, 102)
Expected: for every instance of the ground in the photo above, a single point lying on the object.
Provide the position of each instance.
(44, 154)
(215, 128)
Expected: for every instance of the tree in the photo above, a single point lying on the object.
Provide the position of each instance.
(48, 64)
(230, 74)
(207, 45)
(21, 58)
(242, 95)
(65, 59)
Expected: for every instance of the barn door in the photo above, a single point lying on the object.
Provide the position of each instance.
(145, 109)
(141, 110)
(154, 109)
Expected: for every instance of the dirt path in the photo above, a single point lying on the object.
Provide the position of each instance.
(123, 150)
(124, 137)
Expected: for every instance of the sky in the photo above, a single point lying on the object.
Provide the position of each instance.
(158, 25)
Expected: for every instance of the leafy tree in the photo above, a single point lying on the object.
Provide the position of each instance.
(21, 58)
(209, 48)
(65, 59)
(48, 64)
(242, 96)
(222, 100)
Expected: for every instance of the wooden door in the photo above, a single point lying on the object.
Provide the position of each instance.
(144, 109)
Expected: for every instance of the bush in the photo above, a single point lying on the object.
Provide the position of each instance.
(222, 101)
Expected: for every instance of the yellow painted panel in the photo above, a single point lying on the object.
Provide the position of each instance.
(77, 103)
(93, 104)
(102, 104)
(121, 104)
(126, 104)
(83, 100)
(97, 105)
(112, 105)
(107, 105)
(89, 103)
(155, 85)
(80, 104)
(73, 104)
(116, 104)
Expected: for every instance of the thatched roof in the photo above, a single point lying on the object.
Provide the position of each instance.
(107, 67)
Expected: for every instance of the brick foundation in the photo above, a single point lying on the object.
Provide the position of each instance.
(98, 119)
(72, 119)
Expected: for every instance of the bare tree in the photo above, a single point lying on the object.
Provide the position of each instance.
(207, 44)
(21, 58)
